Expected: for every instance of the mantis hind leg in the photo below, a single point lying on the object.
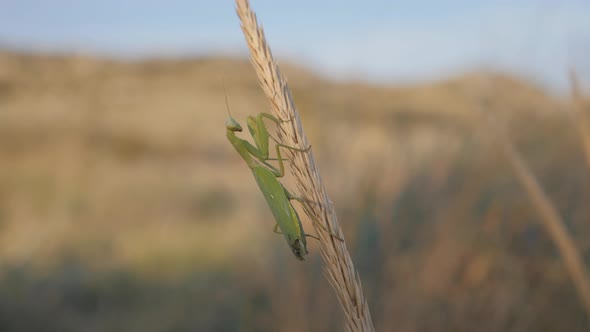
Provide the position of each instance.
(276, 230)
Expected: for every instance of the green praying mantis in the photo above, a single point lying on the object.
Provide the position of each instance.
(266, 175)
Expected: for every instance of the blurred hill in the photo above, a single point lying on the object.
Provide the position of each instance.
(123, 207)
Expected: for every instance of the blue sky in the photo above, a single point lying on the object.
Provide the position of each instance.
(390, 41)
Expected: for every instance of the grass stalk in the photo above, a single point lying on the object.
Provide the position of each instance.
(339, 268)
(580, 115)
(548, 214)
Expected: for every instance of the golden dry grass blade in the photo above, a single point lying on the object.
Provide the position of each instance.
(339, 268)
(549, 217)
(580, 116)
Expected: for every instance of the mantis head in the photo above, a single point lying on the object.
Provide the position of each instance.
(232, 125)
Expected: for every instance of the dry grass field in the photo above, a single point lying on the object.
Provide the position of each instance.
(124, 208)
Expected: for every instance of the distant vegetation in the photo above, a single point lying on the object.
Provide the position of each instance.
(123, 207)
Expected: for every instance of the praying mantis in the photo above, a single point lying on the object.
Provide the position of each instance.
(266, 176)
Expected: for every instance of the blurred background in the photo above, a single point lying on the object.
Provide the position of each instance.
(124, 208)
